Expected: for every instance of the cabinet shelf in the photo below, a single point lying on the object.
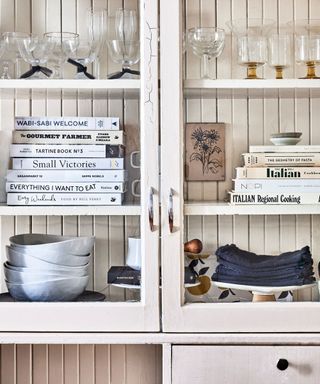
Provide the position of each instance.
(203, 208)
(70, 88)
(239, 88)
(123, 210)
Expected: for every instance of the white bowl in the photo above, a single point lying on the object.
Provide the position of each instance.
(55, 290)
(64, 260)
(38, 244)
(285, 140)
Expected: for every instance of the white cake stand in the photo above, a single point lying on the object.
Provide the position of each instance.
(262, 293)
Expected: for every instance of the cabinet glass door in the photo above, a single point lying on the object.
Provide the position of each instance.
(207, 124)
(122, 275)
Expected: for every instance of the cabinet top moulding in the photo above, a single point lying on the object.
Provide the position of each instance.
(123, 210)
(203, 208)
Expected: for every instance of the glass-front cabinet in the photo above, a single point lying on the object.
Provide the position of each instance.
(220, 99)
(108, 192)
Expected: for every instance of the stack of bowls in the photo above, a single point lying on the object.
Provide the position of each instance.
(47, 267)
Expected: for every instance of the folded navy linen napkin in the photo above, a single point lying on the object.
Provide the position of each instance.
(233, 254)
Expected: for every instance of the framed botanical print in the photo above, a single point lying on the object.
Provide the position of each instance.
(205, 151)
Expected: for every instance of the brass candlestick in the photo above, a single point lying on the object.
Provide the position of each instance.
(311, 73)
(279, 71)
(252, 71)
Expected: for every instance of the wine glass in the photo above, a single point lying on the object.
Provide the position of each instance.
(206, 43)
(65, 43)
(86, 52)
(279, 52)
(252, 42)
(123, 42)
(12, 48)
(307, 45)
(36, 50)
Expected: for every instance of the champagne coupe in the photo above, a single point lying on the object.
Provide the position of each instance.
(279, 52)
(206, 43)
(124, 42)
(252, 42)
(86, 52)
(36, 50)
(307, 45)
(65, 43)
(12, 48)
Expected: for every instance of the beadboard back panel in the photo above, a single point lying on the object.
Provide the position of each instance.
(250, 121)
(80, 364)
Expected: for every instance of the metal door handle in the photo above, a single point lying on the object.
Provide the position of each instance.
(150, 210)
(282, 364)
(170, 210)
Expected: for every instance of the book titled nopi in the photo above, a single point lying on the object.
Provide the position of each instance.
(67, 123)
(68, 137)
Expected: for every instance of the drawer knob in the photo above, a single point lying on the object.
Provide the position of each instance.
(282, 364)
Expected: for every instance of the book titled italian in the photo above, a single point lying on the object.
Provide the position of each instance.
(274, 198)
(69, 150)
(68, 137)
(67, 164)
(278, 173)
(71, 176)
(66, 187)
(277, 186)
(67, 123)
(282, 159)
(36, 199)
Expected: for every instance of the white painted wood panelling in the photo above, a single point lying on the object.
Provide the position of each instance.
(251, 115)
(80, 364)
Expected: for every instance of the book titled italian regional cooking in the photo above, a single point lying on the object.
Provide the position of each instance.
(274, 198)
(60, 150)
(71, 176)
(278, 173)
(66, 122)
(282, 159)
(65, 187)
(31, 199)
(67, 164)
(68, 137)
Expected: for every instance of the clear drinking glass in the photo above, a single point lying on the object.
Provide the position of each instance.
(65, 43)
(86, 52)
(123, 41)
(307, 45)
(279, 53)
(206, 43)
(252, 42)
(12, 48)
(36, 50)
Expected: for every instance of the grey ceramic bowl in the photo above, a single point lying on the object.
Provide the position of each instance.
(18, 277)
(54, 290)
(39, 244)
(52, 269)
(21, 259)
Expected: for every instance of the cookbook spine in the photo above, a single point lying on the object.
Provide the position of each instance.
(288, 186)
(284, 148)
(66, 187)
(274, 198)
(281, 159)
(278, 172)
(67, 164)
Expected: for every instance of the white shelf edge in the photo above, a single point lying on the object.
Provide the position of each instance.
(101, 84)
(203, 208)
(116, 210)
(252, 84)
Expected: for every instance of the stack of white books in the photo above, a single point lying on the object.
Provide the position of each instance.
(278, 175)
(66, 161)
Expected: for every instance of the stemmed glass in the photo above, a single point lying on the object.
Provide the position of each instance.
(11, 40)
(5, 73)
(36, 50)
(124, 42)
(307, 45)
(65, 43)
(252, 42)
(279, 52)
(206, 43)
(86, 52)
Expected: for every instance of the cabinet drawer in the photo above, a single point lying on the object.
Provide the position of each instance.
(245, 364)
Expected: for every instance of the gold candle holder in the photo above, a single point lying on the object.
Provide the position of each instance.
(279, 71)
(252, 71)
(311, 71)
